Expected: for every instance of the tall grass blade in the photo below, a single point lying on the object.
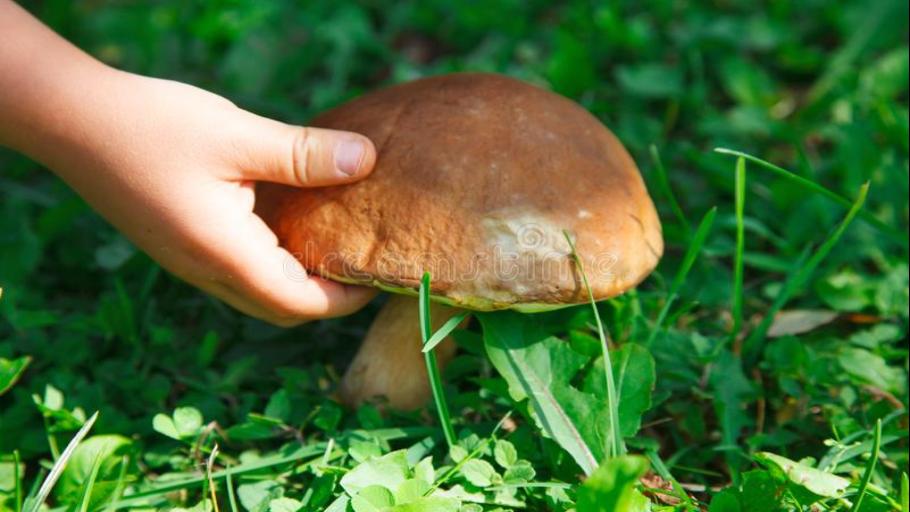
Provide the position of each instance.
(664, 182)
(90, 484)
(799, 276)
(615, 445)
(446, 329)
(895, 234)
(426, 330)
(905, 493)
(698, 240)
(121, 483)
(232, 497)
(661, 469)
(870, 467)
(17, 478)
(209, 480)
(740, 206)
(34, 504)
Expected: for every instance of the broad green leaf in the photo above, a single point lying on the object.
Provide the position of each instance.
(411, 490)
(478, 472)
(812, 480)
(279, 406)
(726, 500)
(389, 471)
(424, 470)
(570, 68)
(635, 374)
(8, 475)
(505, 453)
(887, 76)
(611, 488)
(373, 498)
(256, 497)
(53, 398)
(340, 504)
(429, 504)
(188, 420)
(328, 417)
(108, 451)
(870, 368)
(247, 431)
(284, 505)
(11, 370)
(732, 391)
(520, 472)
(185, 422)
(761, 492)
(650, 80)
(540, 368)
(457, 453)
(364, 450)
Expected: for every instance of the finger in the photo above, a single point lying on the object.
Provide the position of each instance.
(241, 303)
(268, 282)
(302, 156)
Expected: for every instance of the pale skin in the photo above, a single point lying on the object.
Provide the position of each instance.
(174, 168)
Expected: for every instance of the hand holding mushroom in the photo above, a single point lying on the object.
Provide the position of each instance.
(173, 167)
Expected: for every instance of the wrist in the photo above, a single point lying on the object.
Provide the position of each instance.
(46, 84)
(56, 113)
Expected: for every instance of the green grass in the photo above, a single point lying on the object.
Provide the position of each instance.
(776, 323)
(615, 446)
(435, 377)
(695, 247)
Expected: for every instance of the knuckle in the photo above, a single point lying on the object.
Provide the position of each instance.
(300, 153)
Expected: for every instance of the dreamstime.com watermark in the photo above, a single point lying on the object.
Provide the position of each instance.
(529, 254)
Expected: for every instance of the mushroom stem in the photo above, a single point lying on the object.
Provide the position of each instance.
(390, 362)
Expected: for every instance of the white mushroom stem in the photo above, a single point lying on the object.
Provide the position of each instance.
(390, 362)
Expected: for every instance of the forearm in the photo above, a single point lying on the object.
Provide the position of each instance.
(49, 89)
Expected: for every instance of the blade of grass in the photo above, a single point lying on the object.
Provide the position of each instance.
(232, 499)
(799, 276)
(698, 240)
(663, 182)
(892, 233)
(33, 490)
(426, 329)
(870, 467)
(210, 481)
(121, 483)
(905, 493)
(444, 331)
(661, 469)
(90, 484)
(740, 200)
(615, 444)
(17, 478)
(45, 490)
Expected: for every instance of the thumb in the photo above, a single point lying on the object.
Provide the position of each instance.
(302, 156)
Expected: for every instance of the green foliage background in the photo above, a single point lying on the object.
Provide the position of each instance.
(817, 87)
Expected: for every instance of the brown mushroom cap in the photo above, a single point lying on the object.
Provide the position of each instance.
(477, 178)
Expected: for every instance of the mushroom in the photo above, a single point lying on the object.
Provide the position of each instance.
(479, 179)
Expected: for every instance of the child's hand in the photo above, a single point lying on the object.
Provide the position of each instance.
(173, 167)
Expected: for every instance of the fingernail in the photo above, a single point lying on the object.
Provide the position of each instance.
(349, 156)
